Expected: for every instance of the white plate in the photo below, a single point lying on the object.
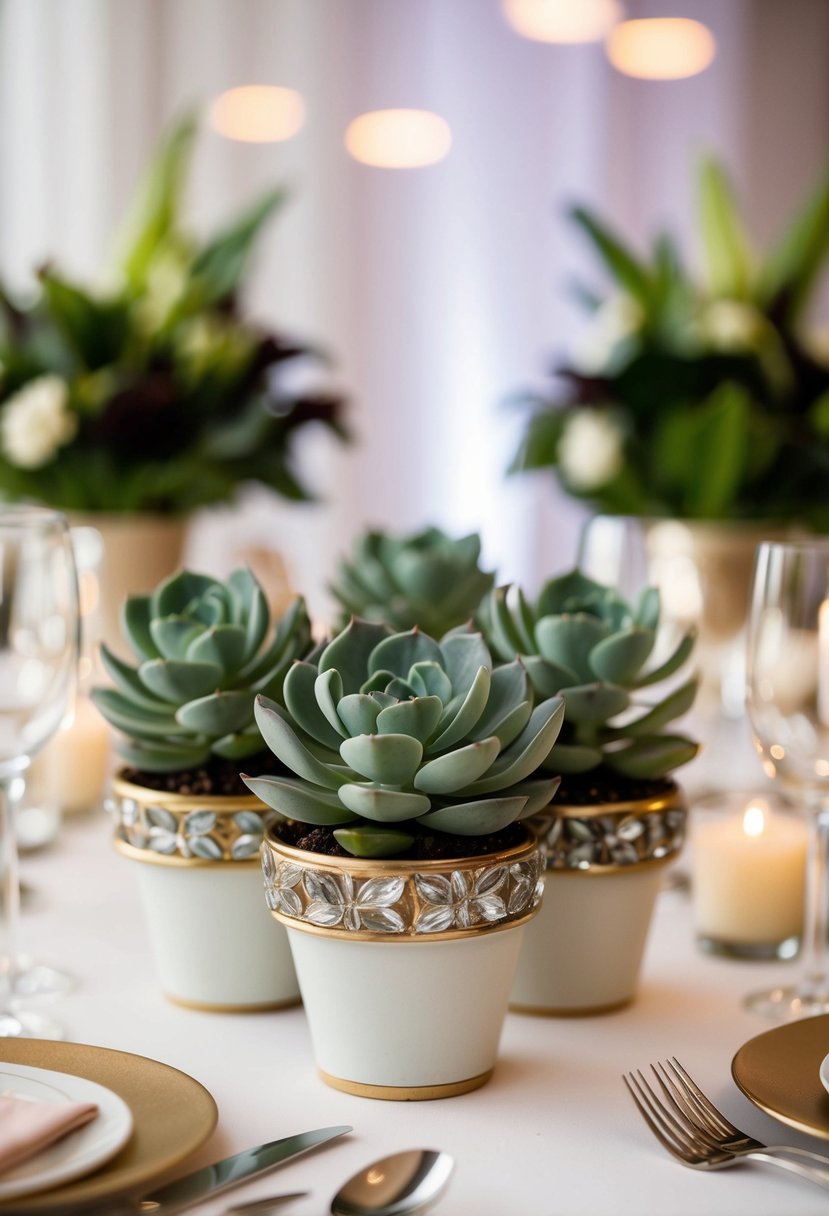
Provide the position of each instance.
(76, 1154)
(824, 1072)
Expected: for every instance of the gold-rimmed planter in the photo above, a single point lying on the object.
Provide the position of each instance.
(405, 968)
(605, 865)
(214, 945)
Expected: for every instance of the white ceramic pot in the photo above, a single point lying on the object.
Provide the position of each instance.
(214, 944)
(405, 968)
(406, 1019)
(605, 865)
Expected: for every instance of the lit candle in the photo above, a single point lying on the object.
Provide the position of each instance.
(71, 770)
(749, 874)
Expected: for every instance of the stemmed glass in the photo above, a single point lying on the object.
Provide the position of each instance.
(39, 641)
(788, 708)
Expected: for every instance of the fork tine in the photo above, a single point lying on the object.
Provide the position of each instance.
(672, 1147)
(678, 1133)
(685, 1102)
(716, 1115)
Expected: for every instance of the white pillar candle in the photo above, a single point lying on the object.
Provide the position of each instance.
(749, 874)
(71, 770)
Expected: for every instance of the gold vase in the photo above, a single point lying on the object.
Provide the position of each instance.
(139, 550)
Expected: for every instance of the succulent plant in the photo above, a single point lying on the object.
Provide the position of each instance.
(392, 735)
(582, 641)
(203, 655)
(427, 579)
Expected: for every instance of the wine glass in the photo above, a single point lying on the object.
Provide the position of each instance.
(613, 551)
(788, 708)
(39, 642)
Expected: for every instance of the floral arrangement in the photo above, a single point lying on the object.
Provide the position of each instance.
(152, 393)
(720, 374)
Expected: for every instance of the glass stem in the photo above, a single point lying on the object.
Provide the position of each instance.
(10, 790)
(816, 924)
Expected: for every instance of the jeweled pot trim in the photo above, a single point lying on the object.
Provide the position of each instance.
(380, 900)
(180, 829)
(609, 837)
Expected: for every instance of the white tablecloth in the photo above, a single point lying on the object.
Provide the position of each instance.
(554, 1132)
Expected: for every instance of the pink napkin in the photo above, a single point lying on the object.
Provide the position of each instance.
(26, 1127)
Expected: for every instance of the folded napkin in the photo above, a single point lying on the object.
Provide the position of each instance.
(26, 1127)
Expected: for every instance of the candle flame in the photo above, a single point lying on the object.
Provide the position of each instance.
(754, 820)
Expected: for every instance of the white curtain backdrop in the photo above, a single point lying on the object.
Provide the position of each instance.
(440, 292)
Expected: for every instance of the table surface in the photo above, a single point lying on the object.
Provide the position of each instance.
(554, 1133)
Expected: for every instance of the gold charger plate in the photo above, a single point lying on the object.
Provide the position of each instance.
(779, 1071)
(172, 1116)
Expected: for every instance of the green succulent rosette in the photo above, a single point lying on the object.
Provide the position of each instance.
(429, 579)
(391, 735)
(582, 641)
(204, 650)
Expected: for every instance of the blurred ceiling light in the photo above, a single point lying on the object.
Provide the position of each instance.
(258, 113)
(661, 48)
(398, 139)
(562, 20)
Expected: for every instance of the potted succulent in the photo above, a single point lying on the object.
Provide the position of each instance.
(184, 712)
(132, 404)
(619, 818)
(428, 579)
(722, 371)
(399, 863)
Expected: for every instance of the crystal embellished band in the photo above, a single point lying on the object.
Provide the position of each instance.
(188, 829)
(597, 839)
(384, 899)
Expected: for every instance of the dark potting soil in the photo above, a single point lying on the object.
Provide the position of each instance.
(218, 776)
(427, 847)
(601, 785)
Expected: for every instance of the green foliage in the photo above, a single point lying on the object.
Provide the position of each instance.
(167, 399)
(709, 387)
(427, 579)
(205, 649)
(391, 735)
(583, 642)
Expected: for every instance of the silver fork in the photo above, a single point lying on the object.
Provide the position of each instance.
(690, 1127)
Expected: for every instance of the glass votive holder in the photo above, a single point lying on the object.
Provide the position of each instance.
(748, 873)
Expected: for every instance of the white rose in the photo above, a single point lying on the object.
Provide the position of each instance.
(726, 325)
(35, 422)
(590, 449)
(614, 321)
(816, 345)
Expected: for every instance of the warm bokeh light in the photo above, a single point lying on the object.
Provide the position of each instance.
(398, 139)
(258, 113)
(754, 819)
(661, 48)
(562, 20)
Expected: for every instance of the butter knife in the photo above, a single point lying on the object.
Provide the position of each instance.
(213, 1179)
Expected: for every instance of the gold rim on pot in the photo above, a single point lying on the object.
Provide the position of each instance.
(186, 830)
(414, 901)
(613, 837)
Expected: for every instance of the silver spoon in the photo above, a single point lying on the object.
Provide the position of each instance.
(399, 1185)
